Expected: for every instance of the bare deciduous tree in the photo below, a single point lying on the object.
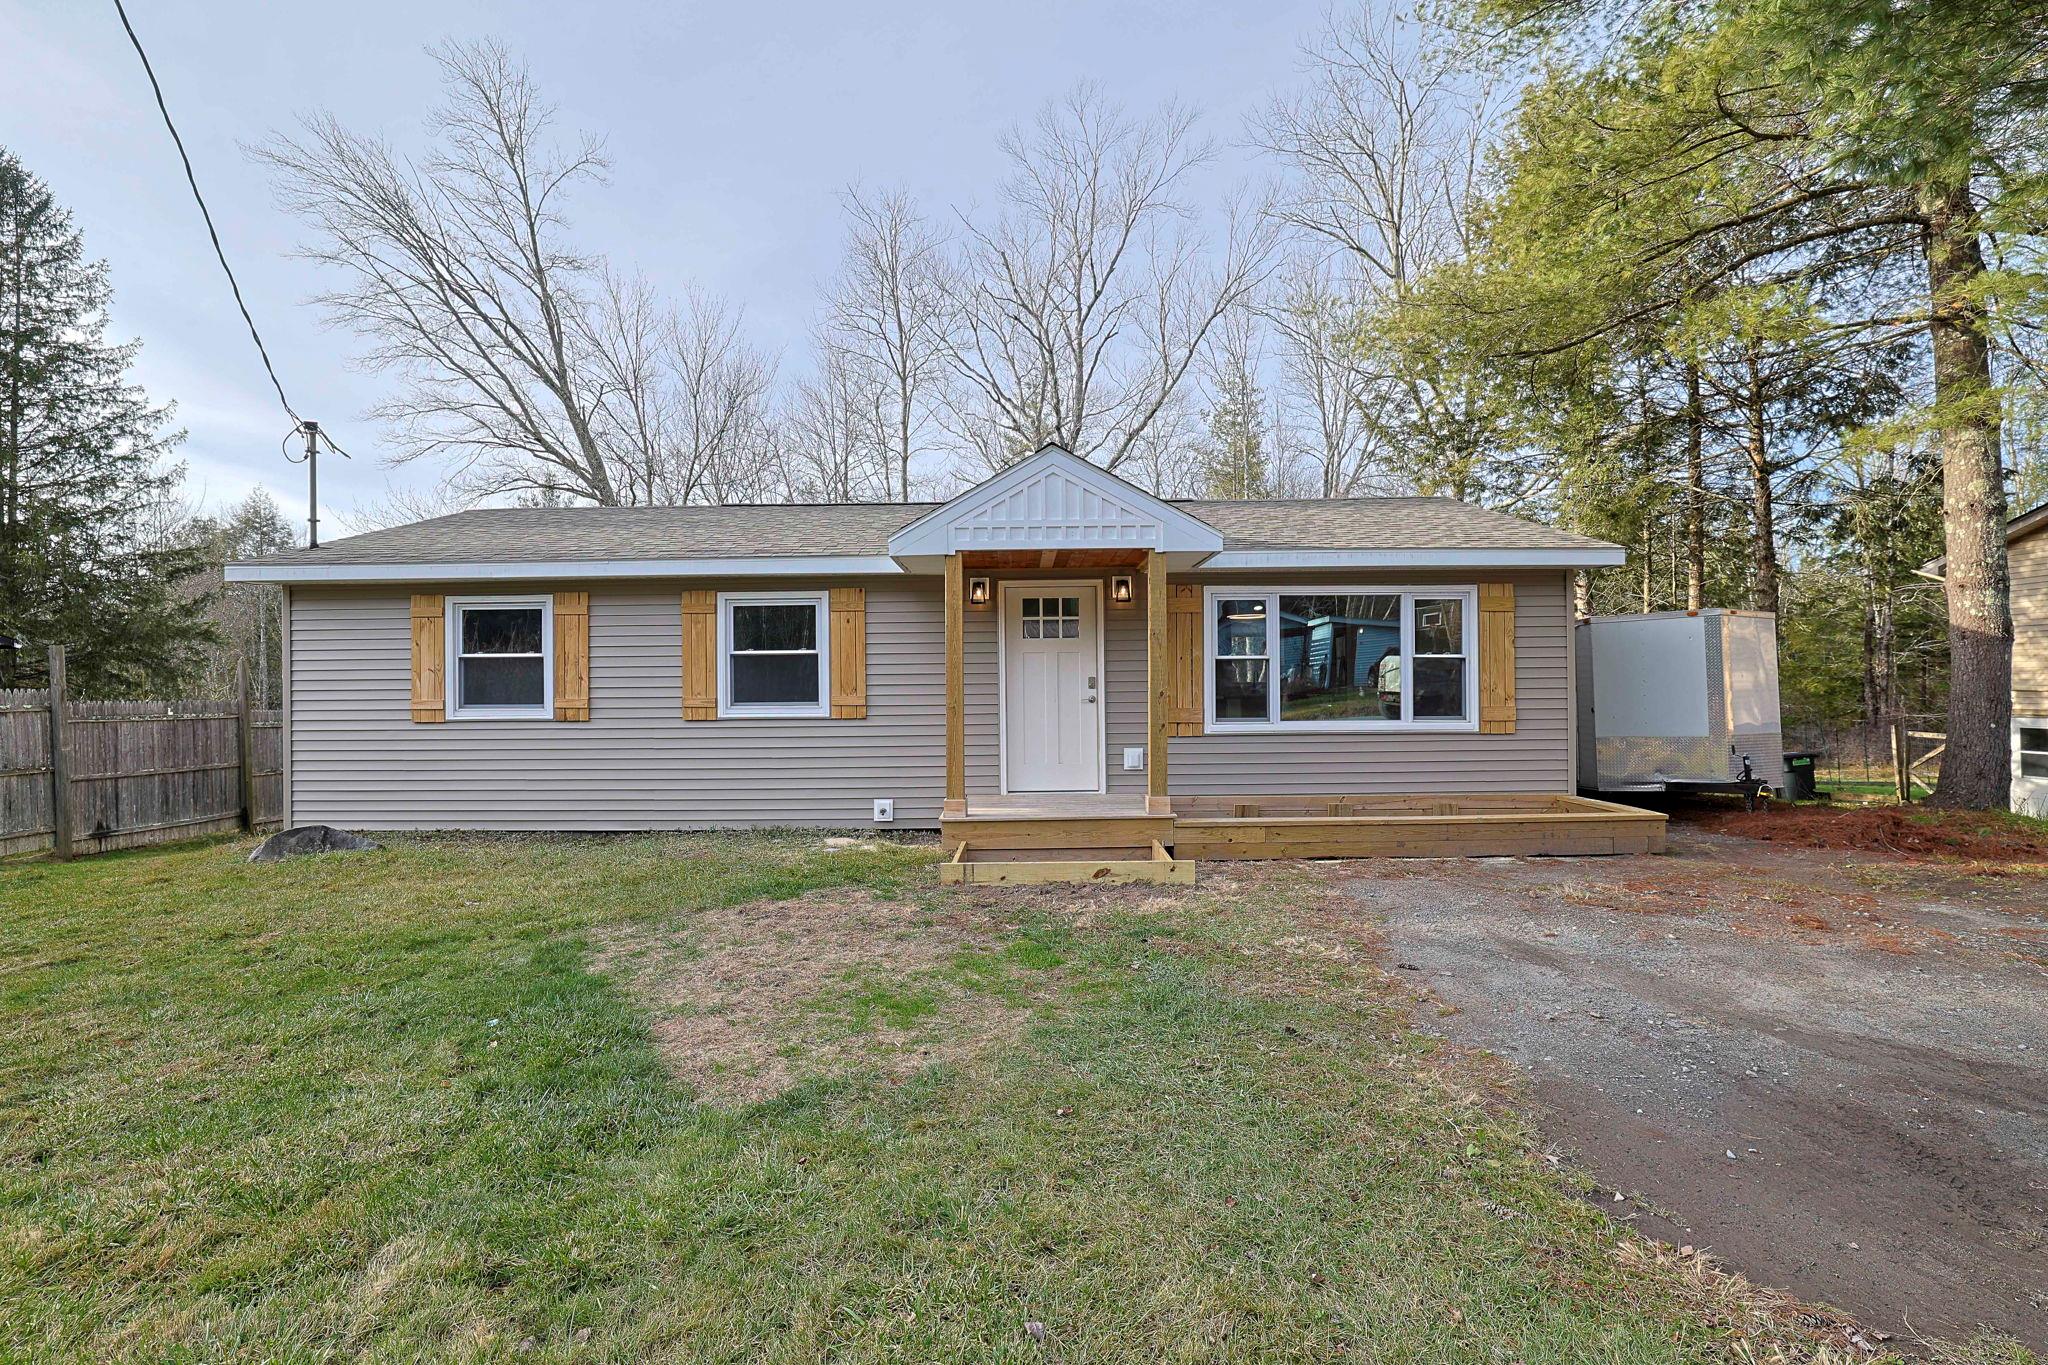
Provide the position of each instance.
(1083, 303)
(721, 391)
(1332, 404)
(838, 432)
(401, 505)
(889, 317)
(629, 331)
(1385, 143)
(460, 274)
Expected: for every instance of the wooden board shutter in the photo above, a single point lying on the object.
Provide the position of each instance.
(572, 656)
(700, 654)
(1497, 658)
(1184, 659)
(429, 659)
(849, 653)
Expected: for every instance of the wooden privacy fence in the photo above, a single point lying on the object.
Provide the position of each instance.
(132, 772)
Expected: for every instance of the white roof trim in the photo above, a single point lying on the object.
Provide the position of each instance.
(787, 566)
(1591, 557)
(1054, 501)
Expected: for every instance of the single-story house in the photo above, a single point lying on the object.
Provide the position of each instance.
(1053, 654)
(2026, 548)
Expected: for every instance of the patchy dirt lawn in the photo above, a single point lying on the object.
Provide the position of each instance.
(1829, 1067)
(750, 999)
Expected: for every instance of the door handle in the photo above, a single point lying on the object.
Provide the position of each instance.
(1090, 698)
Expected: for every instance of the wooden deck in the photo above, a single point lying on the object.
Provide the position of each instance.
(1073, 838)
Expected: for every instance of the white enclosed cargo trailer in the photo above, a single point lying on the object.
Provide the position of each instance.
(1675, 700)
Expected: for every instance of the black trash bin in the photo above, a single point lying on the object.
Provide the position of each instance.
(1799, 775)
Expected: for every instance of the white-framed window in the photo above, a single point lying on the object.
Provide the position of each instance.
(2030, 748)
(1342, 658)
(501, 658)
(774, 654)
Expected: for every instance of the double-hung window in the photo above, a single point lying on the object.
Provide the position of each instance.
(1342, 658)
(2030, 749)
(501, 658)
(775, 656)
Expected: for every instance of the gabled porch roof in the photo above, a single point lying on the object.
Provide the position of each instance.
(1054, 501)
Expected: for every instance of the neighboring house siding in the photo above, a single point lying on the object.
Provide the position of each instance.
(2029, 558)
(359, 761)
(1535, 758)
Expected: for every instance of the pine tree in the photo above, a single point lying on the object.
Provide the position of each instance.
(1823, 140)
(83, 472)
(1234, 460)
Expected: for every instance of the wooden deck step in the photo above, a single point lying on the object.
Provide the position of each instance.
(974, 866)
(994, 831)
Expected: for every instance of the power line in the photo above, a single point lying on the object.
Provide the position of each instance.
(193, 181)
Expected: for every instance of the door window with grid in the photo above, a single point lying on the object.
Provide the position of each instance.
(1051, 618)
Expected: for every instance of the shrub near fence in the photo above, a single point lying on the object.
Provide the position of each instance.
(139, 772)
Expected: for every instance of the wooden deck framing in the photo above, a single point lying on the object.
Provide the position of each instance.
(1100, 831)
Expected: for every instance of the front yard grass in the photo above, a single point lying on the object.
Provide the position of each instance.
(414, 1105)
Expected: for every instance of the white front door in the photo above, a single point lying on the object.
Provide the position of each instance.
(1052, 693)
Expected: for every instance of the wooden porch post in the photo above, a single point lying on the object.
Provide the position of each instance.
(956, 690)
(1157, 684)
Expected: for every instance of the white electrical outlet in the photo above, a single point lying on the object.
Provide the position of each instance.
(1134, 758)
(885, 811)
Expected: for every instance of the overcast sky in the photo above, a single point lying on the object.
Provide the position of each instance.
(731, 129)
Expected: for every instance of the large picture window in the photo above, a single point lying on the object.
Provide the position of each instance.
(1344, 658)
(501, 660)
(774, 655)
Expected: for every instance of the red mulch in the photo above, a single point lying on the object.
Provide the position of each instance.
(1921, 833)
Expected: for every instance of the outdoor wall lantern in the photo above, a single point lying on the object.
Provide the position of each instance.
(1121, 589)
(977, 592)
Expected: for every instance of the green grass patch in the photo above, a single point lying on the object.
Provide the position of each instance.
(383, 1107)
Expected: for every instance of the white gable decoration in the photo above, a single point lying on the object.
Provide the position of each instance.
(1054, 501)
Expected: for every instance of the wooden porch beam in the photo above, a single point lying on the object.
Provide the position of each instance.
(956, 688)
(1157, 684)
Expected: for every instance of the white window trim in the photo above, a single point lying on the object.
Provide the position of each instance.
(729, 709)
(2026, 723)
(1466, 592)
(546, 710)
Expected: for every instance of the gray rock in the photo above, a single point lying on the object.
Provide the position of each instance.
(301, 839)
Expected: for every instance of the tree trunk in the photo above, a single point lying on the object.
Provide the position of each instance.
(1695, 494)
(1976, 768)
(1649, 567)
(1582, 595)
(1764, 534)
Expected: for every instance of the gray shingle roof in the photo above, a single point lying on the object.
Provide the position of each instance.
(496, 535)
(549, 534)
(1378, 524)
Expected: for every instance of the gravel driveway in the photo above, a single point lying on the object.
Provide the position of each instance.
(1828, 1069)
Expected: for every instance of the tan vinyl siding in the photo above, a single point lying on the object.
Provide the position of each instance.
(1535, 758)
(2029, 558)
(359, 761)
